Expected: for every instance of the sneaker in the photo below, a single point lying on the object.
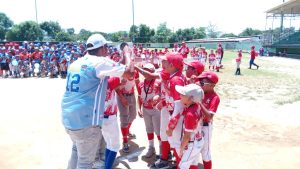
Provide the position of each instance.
(131, 136)
(161, 164)
(150, 152)
(125, 148)
(98, 164)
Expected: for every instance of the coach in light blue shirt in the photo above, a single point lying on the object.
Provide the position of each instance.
(83, 101)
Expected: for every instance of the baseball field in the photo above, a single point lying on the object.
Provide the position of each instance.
(257, 124)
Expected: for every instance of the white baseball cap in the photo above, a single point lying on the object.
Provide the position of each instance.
(95, 41)
(191, 90)
(149, 66)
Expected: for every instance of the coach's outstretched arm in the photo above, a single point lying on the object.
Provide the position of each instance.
(146, 74)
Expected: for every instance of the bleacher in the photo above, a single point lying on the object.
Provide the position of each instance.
(287, 44)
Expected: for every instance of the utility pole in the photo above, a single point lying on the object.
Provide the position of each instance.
(281, 21)
(36, 16)
(133, 37)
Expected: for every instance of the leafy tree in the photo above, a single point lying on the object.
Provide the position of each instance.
(163, 33)
(250, 32)
(173, 38)
(52, 28)
(63, 37)
(25, 31)
(71, 31)
(5, 21)
(212, 31)
(83, 35)
(2, 33)
(133, 32)
(200, 33)
(5, 25)
(119, 36)
(226, 35)
(144, 34)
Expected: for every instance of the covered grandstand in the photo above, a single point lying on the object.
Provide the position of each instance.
(287, 42)
(231, 43)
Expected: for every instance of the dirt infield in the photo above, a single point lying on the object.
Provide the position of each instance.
(257, 124)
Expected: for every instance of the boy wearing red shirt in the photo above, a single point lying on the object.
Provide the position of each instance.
(212, 60)
(238, 60)
(194, 69)
(191, 141)
(127, 107)
(147, 90)
(173, 65)
(110, 126)
(253, 54)
(209, 106)
(184, 50)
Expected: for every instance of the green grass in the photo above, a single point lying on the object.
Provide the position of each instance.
(265, 83)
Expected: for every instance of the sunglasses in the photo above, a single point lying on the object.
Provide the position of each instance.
(189, 68)
(203, 83)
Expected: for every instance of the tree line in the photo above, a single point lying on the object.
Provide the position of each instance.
(52, 31)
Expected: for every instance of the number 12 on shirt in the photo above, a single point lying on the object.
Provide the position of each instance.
(71, 81)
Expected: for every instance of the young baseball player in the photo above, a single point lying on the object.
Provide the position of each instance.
(194, 69)
(253, 55)
(218, 60)
(238, 60)
(211, 60)
(147, 90)
(171, 75)
(209, 105)
(191, 141)
(173, 64)
(127, 106)
(184, 50)
(110, 126)
(204, 56)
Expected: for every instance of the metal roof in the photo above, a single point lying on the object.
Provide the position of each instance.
(289, 7)
(212, 40)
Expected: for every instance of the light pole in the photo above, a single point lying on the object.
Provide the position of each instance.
(36, 17)
(133, 21)
(281, 20)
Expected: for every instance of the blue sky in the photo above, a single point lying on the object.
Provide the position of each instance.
(113, 15)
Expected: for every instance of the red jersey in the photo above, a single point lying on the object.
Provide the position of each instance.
(212, 57)
(211, 102)
(36, 55)
(252, 54)
(127, 85)
(204, 53)
(111, 107)
(171, 94)
(192, 121)
(219, 50)
(147, 90)
(184, 50)
(23, 56)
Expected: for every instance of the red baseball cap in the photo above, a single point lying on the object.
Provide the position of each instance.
(175, 58)
(211, 76)
(197, 65)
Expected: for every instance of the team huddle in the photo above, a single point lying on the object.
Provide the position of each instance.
(176, 99)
